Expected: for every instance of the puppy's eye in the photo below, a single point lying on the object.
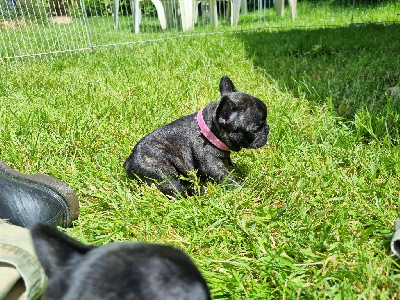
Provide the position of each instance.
(260, 126)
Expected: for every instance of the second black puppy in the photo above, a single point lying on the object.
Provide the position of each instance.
(117, 271)
(201, 141)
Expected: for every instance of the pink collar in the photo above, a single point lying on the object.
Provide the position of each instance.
(208, 134)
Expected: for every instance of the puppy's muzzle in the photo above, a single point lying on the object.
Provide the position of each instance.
(260, 138)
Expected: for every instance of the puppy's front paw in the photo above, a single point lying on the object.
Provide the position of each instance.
(234, 184)
(231, 163)
(200, 191)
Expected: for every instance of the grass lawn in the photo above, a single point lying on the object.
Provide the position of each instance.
(316, 216)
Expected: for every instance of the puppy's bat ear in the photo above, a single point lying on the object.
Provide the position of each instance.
(226, 86)
(226, 110)
(56, 250)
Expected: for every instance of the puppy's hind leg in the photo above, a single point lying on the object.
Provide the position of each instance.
(167, 181)
(172, 187)
(153, 171)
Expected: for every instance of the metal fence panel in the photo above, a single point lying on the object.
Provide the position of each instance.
(39, 27)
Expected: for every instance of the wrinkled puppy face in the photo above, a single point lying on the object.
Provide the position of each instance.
(241, 118)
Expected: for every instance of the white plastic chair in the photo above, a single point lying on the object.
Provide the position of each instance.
(233, 9)
(166, 10)
(280, 7)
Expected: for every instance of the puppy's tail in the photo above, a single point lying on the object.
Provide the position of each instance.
(127, 165)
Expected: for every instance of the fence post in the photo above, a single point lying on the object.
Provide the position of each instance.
(352, 13)
(115, 12)
(87, 23)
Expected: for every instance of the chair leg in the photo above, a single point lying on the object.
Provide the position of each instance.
(279, 7)
(161, 13)
(235, 9)
(243, 7)
(293, 8)
(136, 15)
(115, 13)
(214, 12)
(187, 13)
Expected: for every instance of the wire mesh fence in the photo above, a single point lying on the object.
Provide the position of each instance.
(39, 27)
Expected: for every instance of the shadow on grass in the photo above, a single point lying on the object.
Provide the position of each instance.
(348, 69)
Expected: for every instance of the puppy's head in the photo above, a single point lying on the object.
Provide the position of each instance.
(241, 118)
(115, 271)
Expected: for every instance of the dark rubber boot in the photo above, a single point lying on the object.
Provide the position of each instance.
(29, 199)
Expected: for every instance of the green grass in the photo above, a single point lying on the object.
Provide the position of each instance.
(315, 218)
(347, 70)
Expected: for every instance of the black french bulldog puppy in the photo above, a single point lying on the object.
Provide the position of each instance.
(201, 141)
(137, 271)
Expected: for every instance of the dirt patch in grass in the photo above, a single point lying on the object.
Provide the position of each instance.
(61, 20)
